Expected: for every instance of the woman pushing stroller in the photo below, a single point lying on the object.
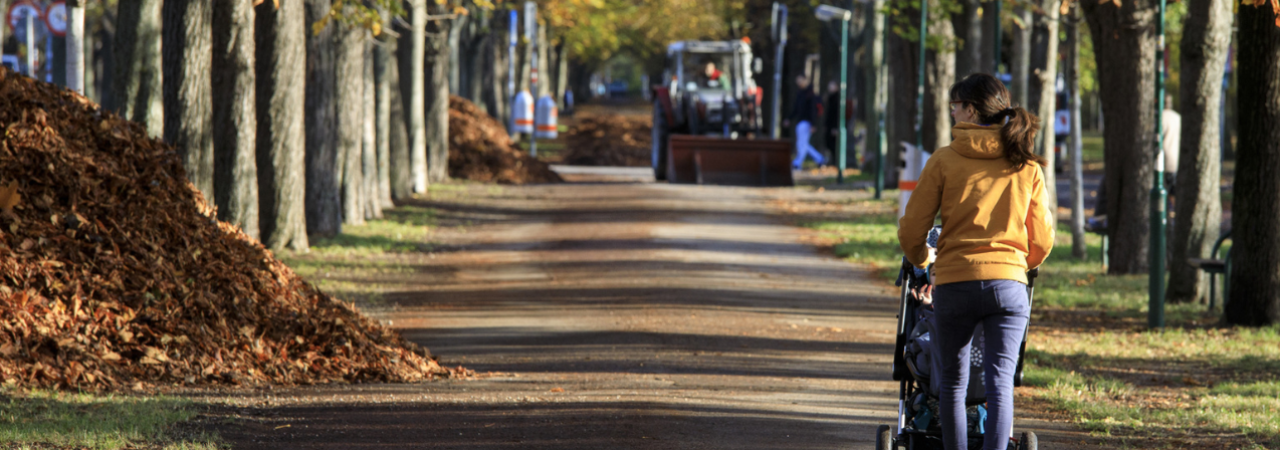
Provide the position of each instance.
(996, 226)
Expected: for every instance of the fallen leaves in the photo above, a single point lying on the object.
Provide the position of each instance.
(610, 140)
(115, 274)
(480, 150)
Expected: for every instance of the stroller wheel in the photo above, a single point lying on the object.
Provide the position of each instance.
(884, 438)
(1028, 441)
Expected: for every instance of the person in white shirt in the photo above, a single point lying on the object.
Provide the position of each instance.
(1170, 139)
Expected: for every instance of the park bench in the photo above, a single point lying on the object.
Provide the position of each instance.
(1214, 267)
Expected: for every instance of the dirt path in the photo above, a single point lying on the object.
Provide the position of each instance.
(606, 315)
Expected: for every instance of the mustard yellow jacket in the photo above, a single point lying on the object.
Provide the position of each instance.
(996, 222)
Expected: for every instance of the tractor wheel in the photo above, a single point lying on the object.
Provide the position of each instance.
(884, 438)
(659, 145)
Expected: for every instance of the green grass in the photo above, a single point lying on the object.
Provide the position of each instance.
(354, 265)
(96, 421)
(1091, 147)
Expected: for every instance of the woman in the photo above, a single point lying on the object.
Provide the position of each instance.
(995, 227)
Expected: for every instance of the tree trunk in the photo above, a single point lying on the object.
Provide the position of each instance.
(901, 115)
(415, 54)
(382, 54)
(323, 201)
(75, 45)
(1125, 49)
(188, 119)
(280, 35)
(4, 6)
(989, 58)
(398, 139)
(1205, 37)
(370, 193)
(562, 73)
(1079, 249)
(496, 96)
(940, 73)
(235, 163)
(1047, 78)
(877, 91)
(349, 79)
(137, 92)
(1021, 68)
(544, 66)
(437, 107)
(1255, 265)
(968, 25)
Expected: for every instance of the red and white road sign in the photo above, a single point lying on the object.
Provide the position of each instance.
(56, 18)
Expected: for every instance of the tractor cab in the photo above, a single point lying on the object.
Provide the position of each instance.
(707, 119)
(710, 87)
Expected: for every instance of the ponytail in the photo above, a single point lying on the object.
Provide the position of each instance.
(1018, 135)
(990, 99)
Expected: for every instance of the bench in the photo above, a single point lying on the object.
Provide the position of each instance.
(1214, 267)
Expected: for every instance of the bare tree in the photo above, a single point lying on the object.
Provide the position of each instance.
(280, 35)
(234, 149)
(1124, 44)
(188, 120)
(437, 100)
(1047, 77)
(370, 195)
(382, 72)
(1206, 34)
(1020, 70)
(323, 198)
(968, 26)
(415, 108)
(1255, 254)
(137, 92)
(401, 176)
(940, 74)
(349, 103)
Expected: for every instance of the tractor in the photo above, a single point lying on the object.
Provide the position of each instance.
(707, 119)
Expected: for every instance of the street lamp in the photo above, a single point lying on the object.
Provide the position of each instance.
(827, 13)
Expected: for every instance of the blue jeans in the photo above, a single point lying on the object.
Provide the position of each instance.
(803, 148)
(1002, 308)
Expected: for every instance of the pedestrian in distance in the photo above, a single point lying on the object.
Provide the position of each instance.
(804, 113)
(996, 225)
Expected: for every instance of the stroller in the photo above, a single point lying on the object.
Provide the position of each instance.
(914, 365)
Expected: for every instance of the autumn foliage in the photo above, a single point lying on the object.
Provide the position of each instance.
(114, 272)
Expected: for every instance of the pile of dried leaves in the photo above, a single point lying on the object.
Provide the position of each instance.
(480, 150)
(610, 140)
(115, 274)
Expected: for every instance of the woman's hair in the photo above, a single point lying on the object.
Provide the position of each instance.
(990, 99)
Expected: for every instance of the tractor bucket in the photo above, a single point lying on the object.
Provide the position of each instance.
(741, 162)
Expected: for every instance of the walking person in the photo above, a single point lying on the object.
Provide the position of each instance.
(996, 226)
(804, 113)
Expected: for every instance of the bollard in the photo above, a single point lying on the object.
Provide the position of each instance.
(522, 113)
(908, 176)
(547, 118)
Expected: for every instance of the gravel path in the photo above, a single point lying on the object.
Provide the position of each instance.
(617, 315)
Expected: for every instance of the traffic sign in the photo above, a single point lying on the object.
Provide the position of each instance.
(56, 18)
(19, 10)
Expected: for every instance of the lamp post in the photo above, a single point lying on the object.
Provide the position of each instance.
(827, 13)
(1159, 197)
(780, 40)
